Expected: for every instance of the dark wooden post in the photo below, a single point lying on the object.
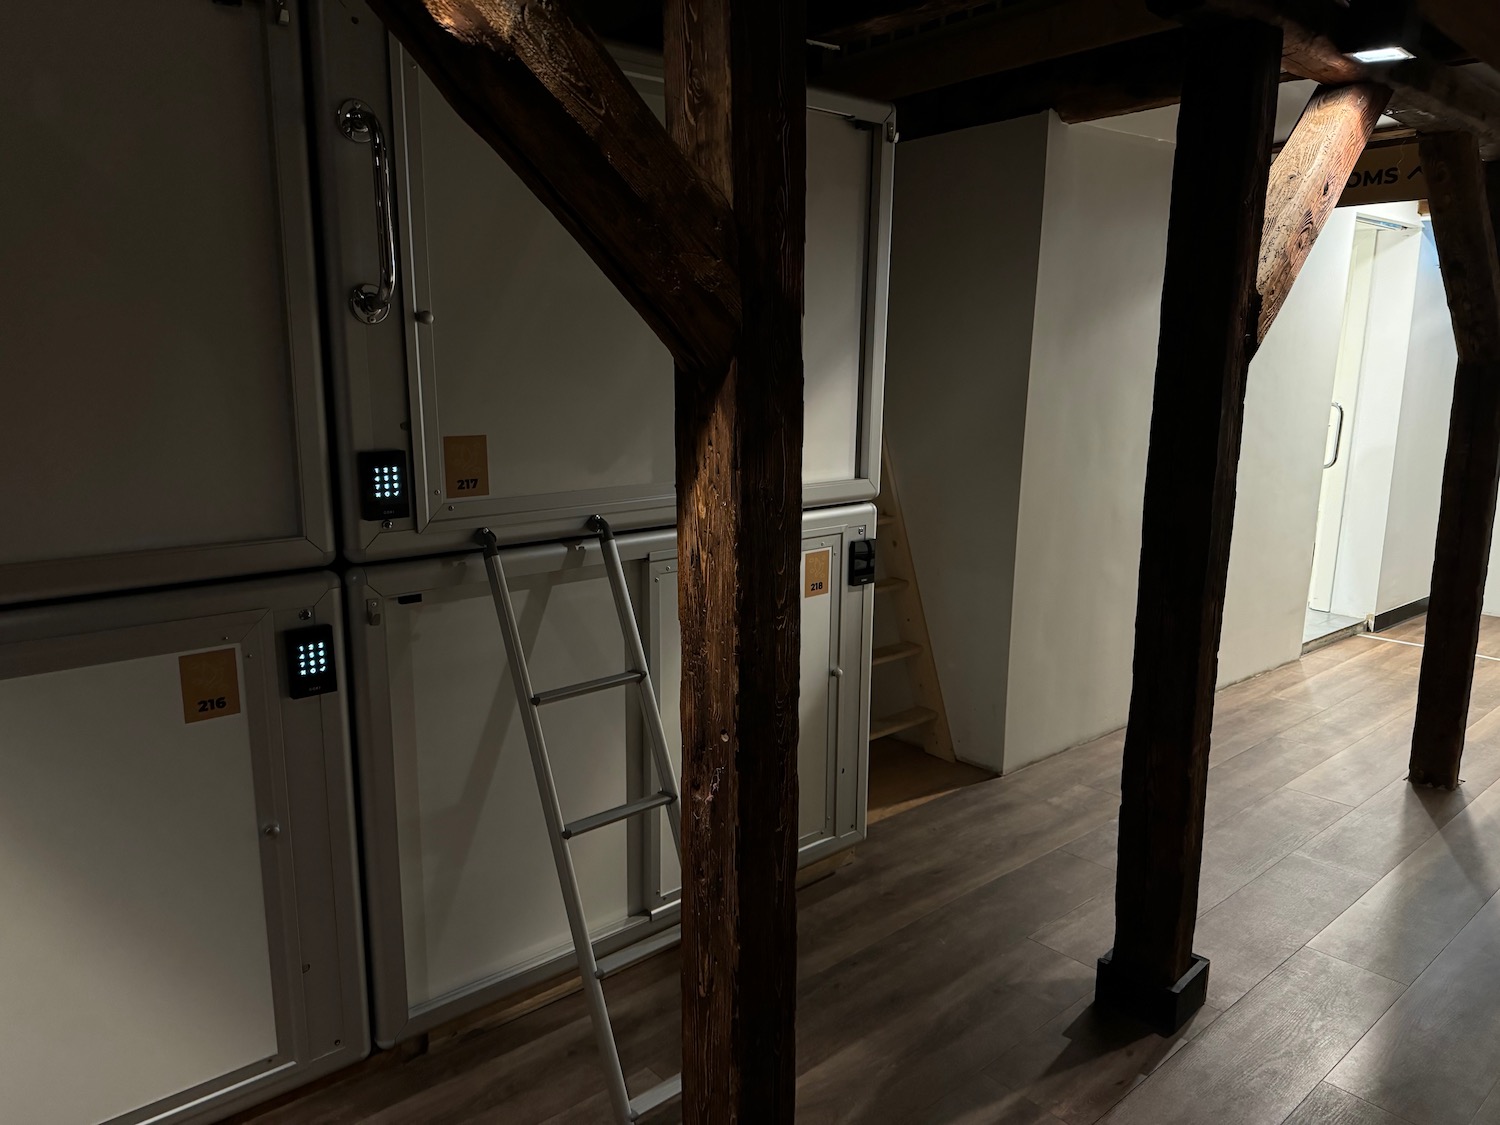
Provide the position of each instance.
(1463, 224)
(736, 103)
(1209, 314)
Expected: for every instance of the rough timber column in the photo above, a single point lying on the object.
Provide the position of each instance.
(736, 104)
(1463, 225)
(1209, 316)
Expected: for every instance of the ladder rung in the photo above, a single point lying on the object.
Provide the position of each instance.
(890, 585)
(623, 958)
(611, 816)
(657, 1095)
(588, 687)
(900, 721)
(901, 650)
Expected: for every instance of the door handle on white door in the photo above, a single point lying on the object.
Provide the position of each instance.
(1338, 438)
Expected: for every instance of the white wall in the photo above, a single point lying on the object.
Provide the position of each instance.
(1422, 441)
(1088, 415)
(1281, 464)
(968, 209)
(1021, 295)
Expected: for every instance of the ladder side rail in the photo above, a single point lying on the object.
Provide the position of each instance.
(619, 1095)
(666, 776)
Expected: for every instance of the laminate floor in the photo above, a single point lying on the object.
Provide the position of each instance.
(946, 973)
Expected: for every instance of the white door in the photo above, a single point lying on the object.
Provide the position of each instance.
(1341, 418)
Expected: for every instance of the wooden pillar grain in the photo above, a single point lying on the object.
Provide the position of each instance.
(1307, 179)
(1465, 199)
(1209, 316)
(736, 103)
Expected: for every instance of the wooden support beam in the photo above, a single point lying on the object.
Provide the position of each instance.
(1307, 179)
(1122, 78)
(540, 88)
(1431, 97)
(736, 95)
(1464, 219)
(1473, 26)
(846, 21)
(1427, 94)
(1012, 38)
(1208, 322)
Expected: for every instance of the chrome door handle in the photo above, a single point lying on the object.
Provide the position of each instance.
(1338, 437)
(358, 123)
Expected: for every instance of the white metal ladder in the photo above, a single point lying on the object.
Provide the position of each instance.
(591, 968)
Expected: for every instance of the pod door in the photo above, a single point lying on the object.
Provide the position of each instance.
(163, 417)
(464, 901)
(510, 382)
(181, 922)
(834, 696)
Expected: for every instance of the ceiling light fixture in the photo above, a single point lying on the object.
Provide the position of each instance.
(1381, 55)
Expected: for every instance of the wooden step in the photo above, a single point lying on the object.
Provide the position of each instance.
(890, 585)
(901, 650)
(902, 720)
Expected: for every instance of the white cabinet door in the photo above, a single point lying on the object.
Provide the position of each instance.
(163, 418)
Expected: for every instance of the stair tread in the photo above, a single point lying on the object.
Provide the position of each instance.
(900, 721)
(901, 650)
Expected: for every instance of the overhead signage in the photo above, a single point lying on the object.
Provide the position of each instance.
(1386, 174)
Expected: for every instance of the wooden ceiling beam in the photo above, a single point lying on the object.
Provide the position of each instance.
(1123, 78)
(1427, 94)
(537, 84)
(1430, 97)
(1473, 24)
(986, 46)
(847, 21)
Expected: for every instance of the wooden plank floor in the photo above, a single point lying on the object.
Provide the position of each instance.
(947, 972)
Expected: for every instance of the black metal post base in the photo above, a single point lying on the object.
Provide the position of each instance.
(1164, 1010)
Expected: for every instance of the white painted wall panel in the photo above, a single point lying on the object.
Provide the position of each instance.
(963, 285)
(1088, 414)
(1051, 565)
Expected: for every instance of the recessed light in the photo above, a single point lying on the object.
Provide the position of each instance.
(1381, 55)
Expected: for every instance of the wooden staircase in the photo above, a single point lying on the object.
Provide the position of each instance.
(903, 647)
